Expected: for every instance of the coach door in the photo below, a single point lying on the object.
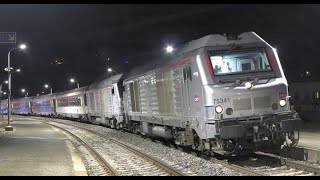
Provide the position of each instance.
(186, 83)
(54, 103)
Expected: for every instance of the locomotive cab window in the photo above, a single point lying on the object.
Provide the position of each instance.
(239, 62)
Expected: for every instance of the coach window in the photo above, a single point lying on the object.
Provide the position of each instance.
(184, 75)
(71, 101)
(79, 101)
(68, 101)
(112, 91)
(189, 73)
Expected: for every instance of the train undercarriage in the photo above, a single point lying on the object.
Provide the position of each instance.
(233, 137)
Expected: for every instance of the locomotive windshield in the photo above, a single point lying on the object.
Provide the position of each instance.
(239, 62)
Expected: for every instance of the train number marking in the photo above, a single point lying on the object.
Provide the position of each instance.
(221, 100)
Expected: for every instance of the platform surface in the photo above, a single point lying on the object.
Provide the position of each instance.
(310, 139)
(34, 149)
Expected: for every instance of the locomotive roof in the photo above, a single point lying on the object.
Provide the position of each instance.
(220, 40)
(206, 41)
(104, 81)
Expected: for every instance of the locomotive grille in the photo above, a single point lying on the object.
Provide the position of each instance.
(242, 104)
(262, 102)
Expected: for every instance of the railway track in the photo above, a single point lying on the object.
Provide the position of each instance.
(261, 164)
(134, 162)
(241, 169)
(287, 167)
(264, 164)
(108, 169)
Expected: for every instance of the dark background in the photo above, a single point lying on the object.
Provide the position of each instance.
(85, 36)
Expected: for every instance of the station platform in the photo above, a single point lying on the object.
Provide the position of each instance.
(36, 149)
(310, 139)
(308, 148)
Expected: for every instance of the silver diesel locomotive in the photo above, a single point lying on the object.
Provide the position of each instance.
(217, 94)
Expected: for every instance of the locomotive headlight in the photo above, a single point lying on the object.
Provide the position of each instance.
(248, 85)
(219, 109)
(282, 102)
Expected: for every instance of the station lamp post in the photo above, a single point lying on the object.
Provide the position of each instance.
(24, 91)
(110, 70)
(47, 86)
(74, 81)
(9, 70)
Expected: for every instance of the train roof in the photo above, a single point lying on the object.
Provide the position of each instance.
(24, 99)
(73, 92)
(206, 41)
(4, 99)
(105, 81)
(45, 96)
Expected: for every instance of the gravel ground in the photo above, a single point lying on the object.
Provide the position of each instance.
(298, 161)
(122, 160)
(93, 167)
(272, 167)
(187, 163)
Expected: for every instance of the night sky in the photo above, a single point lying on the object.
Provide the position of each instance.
(85, 36)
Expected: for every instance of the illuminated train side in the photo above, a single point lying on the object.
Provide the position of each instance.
(21, 106)
(44, 105)
(215, 94)
(71, 104)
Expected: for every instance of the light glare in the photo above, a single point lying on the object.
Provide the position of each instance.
(248, 85)
(23, 46)
(169, 49)
(282, 102)
(219, 109)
